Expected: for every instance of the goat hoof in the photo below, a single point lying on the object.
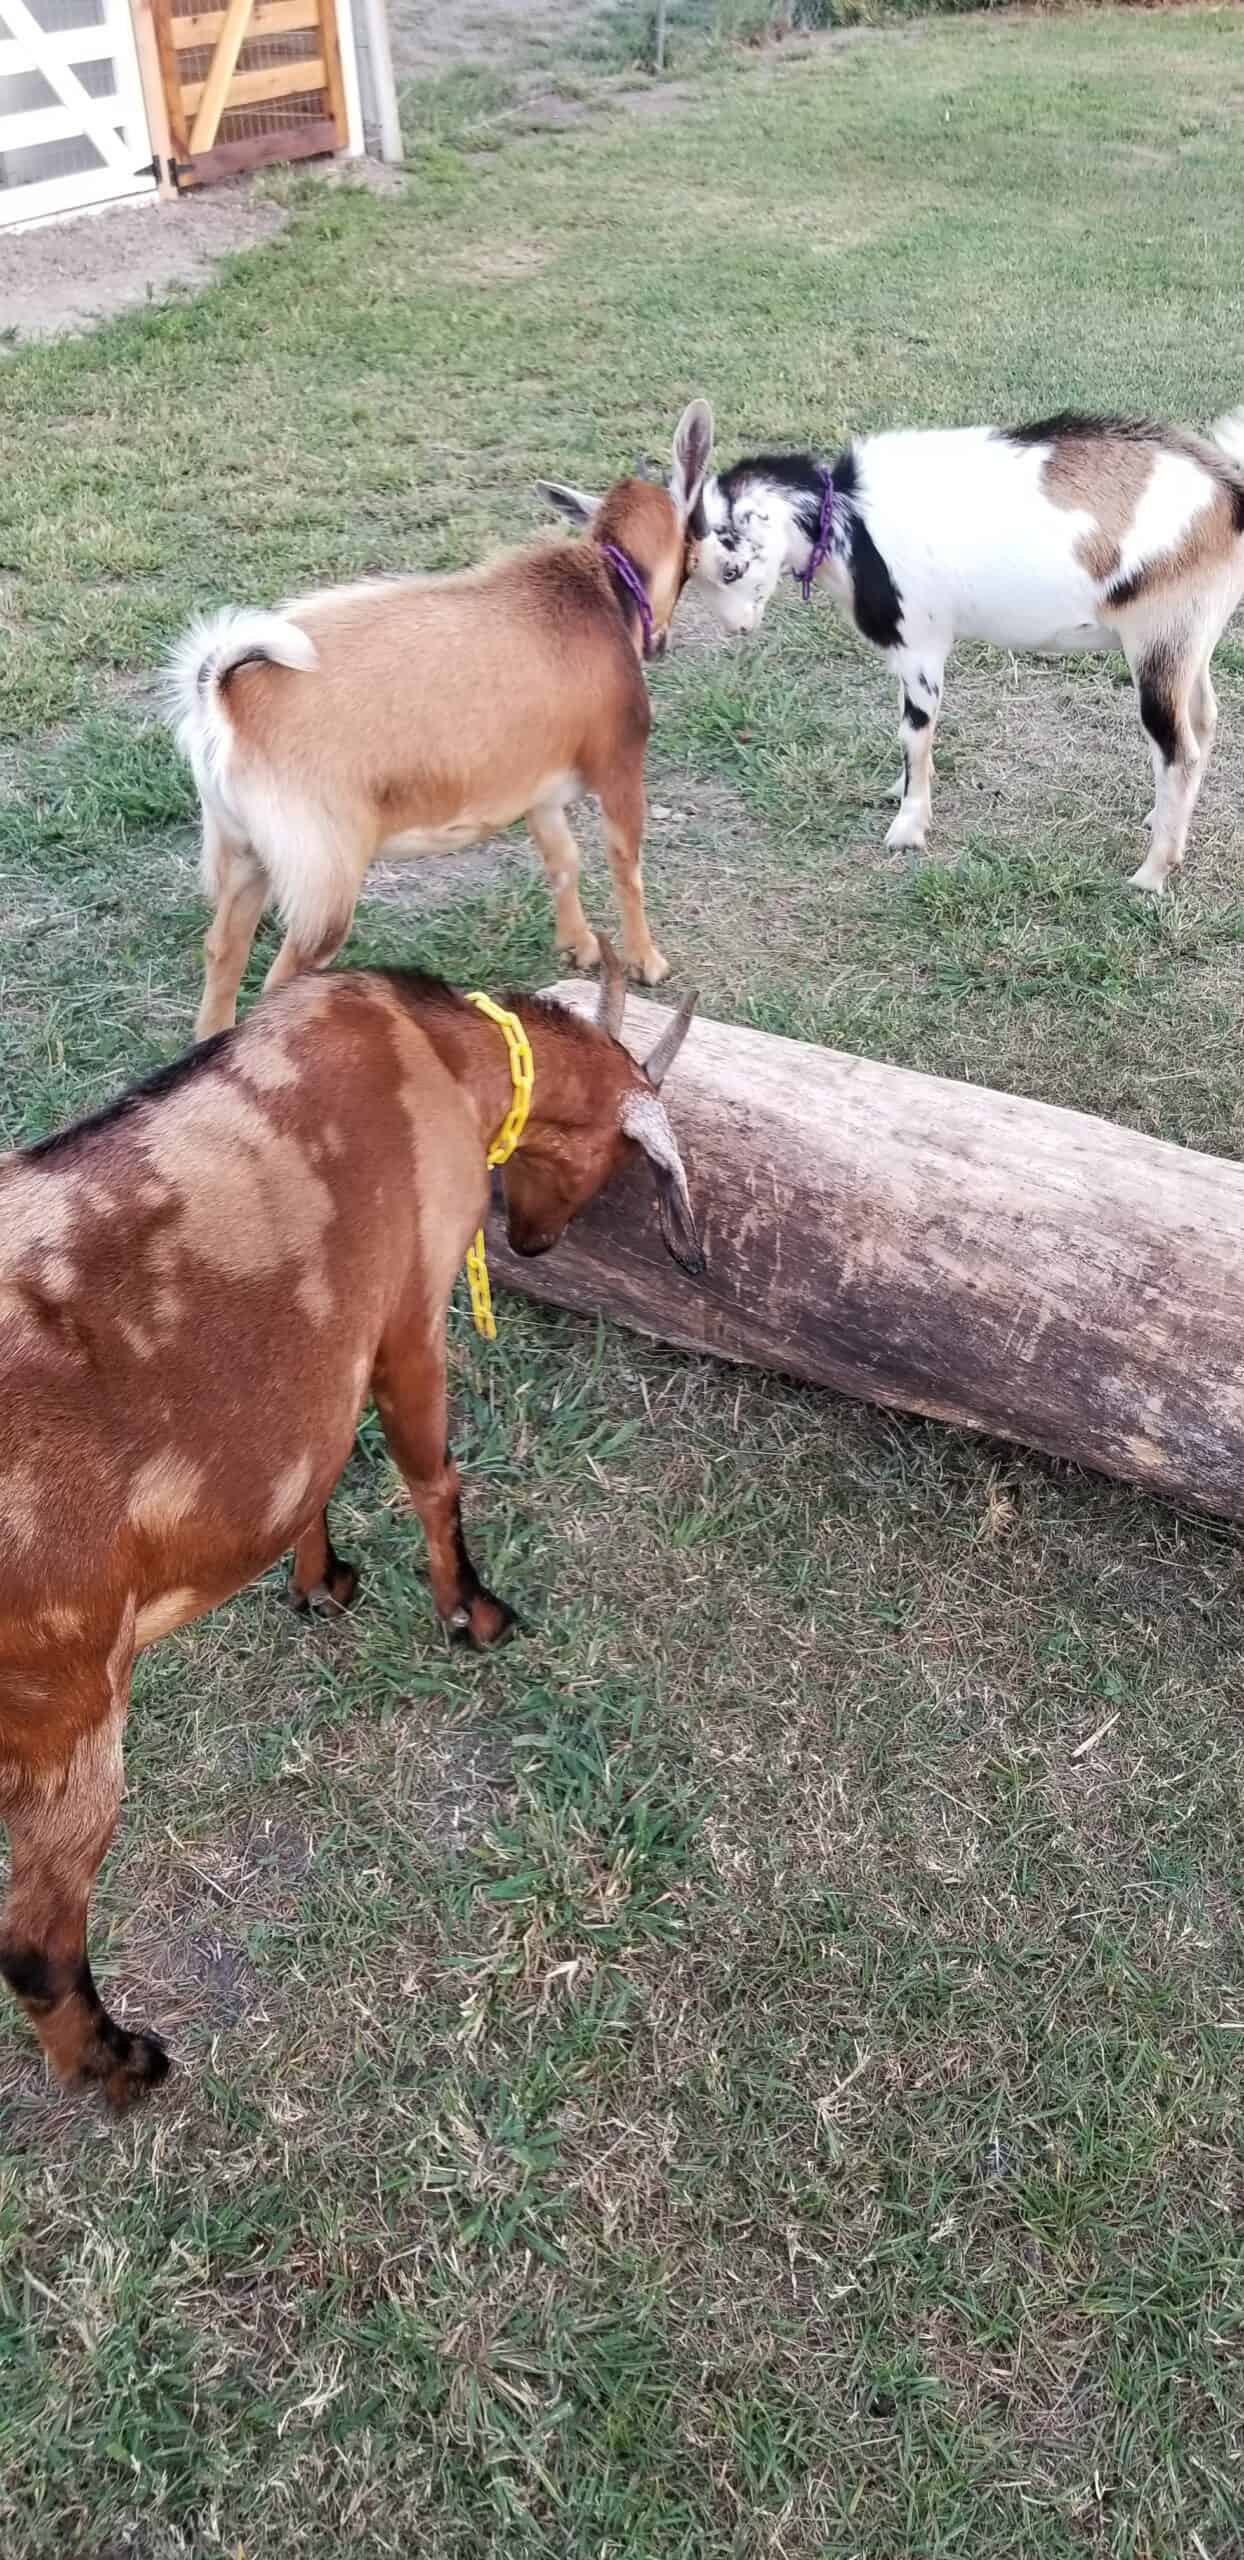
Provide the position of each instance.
(585, 954)
(338, 1590)
(905, 836)
(484, 1621)
(651, 967)
(129, 2066)
(1148, 877)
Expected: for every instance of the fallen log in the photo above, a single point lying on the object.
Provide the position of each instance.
(1025, 1271)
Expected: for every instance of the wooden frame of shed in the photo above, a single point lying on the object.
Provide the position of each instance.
(107, 100)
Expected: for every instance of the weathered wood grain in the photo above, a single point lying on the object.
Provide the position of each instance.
(939, 1247)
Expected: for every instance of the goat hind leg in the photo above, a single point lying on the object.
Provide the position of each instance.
(241, 896)
(1203, 714)
(298, 953)
(1166, 686)
(60, 1825)
(317, 893)
(413, 1404)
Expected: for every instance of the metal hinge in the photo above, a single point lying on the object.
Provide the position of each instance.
(158, 169)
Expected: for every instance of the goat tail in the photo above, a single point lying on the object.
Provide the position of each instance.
(1228, 435)
(202, 663)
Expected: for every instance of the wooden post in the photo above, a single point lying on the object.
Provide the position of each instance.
(375, 21)
(939, 1247)
(151, 74)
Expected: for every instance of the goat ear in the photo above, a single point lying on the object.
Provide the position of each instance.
(575, 503)
(612, 1004)
(693, 452)
(660, 1059)
(644, 1120)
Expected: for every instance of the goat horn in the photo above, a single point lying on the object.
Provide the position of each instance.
(659, 1060)
(612, 1000)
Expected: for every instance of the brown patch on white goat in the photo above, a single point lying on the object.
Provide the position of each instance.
(1104, 483)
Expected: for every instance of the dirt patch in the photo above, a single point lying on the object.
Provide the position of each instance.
(66, 275)
(434, 35)
(657, 99)
(431, 878)
(497, 266)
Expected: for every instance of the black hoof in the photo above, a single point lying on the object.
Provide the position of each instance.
(131, 2072)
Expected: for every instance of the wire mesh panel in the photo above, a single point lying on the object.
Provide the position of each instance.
(250, 81)
(73, 127)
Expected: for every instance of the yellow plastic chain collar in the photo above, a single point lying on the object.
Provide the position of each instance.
(523, 1077)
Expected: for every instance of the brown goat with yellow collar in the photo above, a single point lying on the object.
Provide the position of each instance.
(198, 1289)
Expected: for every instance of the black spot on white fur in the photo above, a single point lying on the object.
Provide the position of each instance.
(875, 599)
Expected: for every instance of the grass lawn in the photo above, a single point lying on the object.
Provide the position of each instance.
(731, 2075)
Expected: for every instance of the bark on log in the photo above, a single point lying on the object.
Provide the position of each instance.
(996, 1263)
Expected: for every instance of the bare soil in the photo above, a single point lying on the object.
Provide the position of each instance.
(431, 37)
(67, 275)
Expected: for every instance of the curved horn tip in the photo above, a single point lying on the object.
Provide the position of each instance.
(661, 1057)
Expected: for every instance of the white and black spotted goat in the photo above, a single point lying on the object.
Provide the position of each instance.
(1073, 533)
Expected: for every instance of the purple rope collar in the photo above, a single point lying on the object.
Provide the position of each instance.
(820, 548)
(626, 571)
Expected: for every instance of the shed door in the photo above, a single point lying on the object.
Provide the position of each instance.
(256, 80)
(73, 127)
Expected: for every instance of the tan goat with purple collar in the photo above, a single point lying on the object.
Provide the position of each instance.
(412, 715)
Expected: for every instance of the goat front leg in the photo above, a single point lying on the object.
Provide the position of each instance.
(550, 834)
(624, 808)
(60, 1822)
(319, 1578)
(919, 673)
(413, 1405)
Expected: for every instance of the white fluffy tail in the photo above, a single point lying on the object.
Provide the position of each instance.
(1229, 433)
(205, 656)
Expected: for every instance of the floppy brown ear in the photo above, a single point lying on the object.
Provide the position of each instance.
(576, 504)
(678, 1226)
(643, 1119)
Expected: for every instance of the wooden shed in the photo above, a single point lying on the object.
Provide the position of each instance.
(103, 100)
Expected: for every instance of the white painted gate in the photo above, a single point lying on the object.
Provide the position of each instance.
(73, 126)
